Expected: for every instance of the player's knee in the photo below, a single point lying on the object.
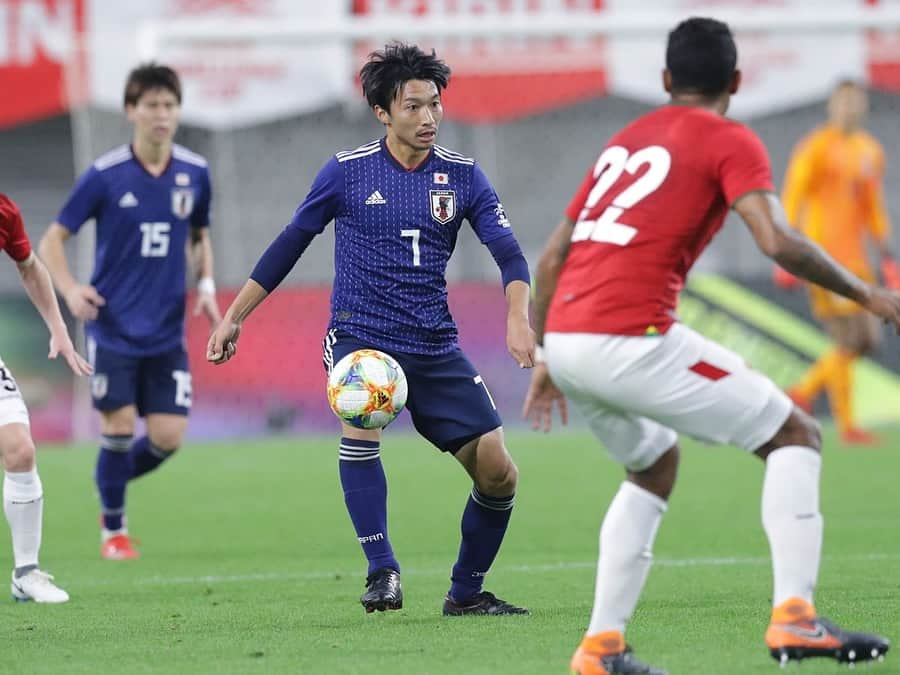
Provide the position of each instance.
(659, 478)
(800, 428)
(18, 455)
(167, 441)
(497, 478)
(496, 474)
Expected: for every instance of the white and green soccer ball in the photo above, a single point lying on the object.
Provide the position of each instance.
(367, 389)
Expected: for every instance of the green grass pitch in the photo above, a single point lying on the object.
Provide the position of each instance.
(250, 565)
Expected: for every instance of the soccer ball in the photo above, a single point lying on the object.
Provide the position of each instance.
(367, 389)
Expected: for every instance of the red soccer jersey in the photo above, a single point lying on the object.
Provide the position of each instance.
(656, 196)
(13, 239)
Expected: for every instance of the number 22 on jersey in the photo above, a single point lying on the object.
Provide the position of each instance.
(611, 164)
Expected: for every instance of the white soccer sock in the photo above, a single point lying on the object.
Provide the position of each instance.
(23, 503)
(791, 519)
(626, 543)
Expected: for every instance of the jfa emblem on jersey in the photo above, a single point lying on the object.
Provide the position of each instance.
(182, 202)
(443, 205)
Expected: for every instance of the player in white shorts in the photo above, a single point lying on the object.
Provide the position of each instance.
(22, 491)
(607, 289)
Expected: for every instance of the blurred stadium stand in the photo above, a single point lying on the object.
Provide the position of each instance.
(262, 171)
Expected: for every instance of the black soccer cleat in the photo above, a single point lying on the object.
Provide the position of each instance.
(821, 638)
(625, 663)
(607, 653)
(383, 591)
(480, 604)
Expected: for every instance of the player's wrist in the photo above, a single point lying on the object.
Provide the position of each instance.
(206, 286)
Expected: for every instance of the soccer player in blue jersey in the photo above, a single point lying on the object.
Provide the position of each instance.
(398, 204)
(148, 199)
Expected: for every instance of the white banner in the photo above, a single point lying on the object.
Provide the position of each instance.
(233, 83)
(780, 70)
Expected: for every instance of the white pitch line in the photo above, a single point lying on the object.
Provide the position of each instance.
(160, 580)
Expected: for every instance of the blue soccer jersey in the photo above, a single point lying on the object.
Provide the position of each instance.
(142, 229)
(395, 230)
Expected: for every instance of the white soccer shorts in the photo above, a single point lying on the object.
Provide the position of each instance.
(12, 406)
(638, 393)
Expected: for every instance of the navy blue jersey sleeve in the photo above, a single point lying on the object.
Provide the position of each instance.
(84, 202)
(200, 215)
(485, 212)
(323, 203)
(319, 208)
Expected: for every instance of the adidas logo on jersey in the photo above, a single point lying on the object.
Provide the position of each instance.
(375, 198)
(128, 200)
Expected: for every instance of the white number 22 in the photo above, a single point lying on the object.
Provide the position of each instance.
(609, 167)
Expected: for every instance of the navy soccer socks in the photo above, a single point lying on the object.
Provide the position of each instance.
(144, 457)
(365, 494)
(111, 475)
(484, 524)
(120, 461)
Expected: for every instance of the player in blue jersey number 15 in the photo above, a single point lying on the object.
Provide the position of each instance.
(398, 203)
(148, 199)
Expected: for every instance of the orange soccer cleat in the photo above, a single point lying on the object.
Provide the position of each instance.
(857, 436)
(797, 633)
(890, 272)
(607, 654)
(784, 279)
(801, 401)
(118, 547)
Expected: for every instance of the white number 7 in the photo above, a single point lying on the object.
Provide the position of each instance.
(414, 235)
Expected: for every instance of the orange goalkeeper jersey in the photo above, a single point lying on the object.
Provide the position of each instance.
(833, 193)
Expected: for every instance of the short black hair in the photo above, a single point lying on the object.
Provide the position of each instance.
(387, 70)
(149, 76)
(701, 57)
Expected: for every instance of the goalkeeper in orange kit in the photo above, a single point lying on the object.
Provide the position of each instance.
(833, 193)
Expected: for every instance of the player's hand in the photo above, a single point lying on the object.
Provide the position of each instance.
(222, 344)
(784, 279)
(885, 303)
(520, 340)
(890, 272)
(542, 393)
(62, 344)
(84, 302)
(208, 306)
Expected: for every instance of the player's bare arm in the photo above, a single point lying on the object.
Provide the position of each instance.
(37, 283)
(542, 392)
(222, 344)
(202, 258)
(519, 334)
(548, 269)
(83, 300)
(763, 214)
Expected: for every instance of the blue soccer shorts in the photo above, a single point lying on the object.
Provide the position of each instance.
(154, 384)
(448, 401)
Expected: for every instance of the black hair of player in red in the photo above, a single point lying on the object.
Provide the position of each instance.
(388, 69)
(149, 76)
(701, 57)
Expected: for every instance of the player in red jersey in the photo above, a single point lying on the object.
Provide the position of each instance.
(607, 288)
(22, 491)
